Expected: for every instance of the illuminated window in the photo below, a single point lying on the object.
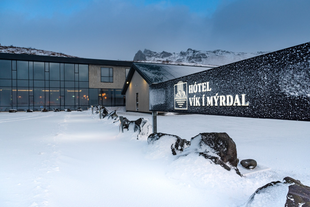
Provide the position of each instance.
(106, 75)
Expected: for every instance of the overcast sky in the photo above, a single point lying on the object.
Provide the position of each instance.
(117, 29)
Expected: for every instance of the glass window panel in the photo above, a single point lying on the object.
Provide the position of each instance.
(76, 96)
(83, 84)
(93, 96)
(38, 70)
(30, 70)
(14, 83)
(23, 83)
(14, 65)
(22, 70)
(119, 99)
(14, 95)
(55, 97)
(76, 77)
(84, 96)
(106, 75)
(38, 96)
(76, 68)
(105, 71)
(47, 97)
(5, 69)
(104, 79)
(76, 84)
(69, 84)
(30, 83)
(62, 71)
(106, 97)
(5, 82)
(69, 96)
(47, 76)
(31, 92)
(38, 83)
(46, 67)
(83, 72)
(69, 72)
(5, 96)
(22, 96)
(14, 74)
(54, 71)
(54, 83)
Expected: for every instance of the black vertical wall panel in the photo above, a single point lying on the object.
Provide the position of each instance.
(277, 85)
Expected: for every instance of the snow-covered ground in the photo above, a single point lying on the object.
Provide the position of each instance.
(75, 159)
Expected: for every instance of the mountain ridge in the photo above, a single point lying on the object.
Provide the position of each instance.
(31, 51)
(194, 57)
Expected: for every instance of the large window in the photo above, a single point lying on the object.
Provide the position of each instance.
(38, 71)
(107, 75)
(5, 69)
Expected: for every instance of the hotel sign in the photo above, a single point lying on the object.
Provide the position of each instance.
(198, 95)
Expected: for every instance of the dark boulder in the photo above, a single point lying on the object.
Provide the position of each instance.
(136, 125)
(29, 110)
(104, 112)
(298, 194)
(112, 115)
(176, 148)
(56, 110)
(12, 111)
(217, 147)
(68, 110)
(220, 144)
(79, 109)
(248, 163)
(44, 110)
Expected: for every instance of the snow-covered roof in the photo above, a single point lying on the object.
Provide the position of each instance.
(157, 73)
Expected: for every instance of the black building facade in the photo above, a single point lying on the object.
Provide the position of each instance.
(36, 82)
(274, 85)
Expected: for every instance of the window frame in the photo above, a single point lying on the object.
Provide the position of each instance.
(106, 78)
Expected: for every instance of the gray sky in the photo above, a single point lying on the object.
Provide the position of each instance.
(117, 29)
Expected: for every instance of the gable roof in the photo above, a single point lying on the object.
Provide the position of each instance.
(154, 73)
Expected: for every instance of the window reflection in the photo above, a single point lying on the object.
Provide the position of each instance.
(38, 70)
(5, 69)
(22, 69)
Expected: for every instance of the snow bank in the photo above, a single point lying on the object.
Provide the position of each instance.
(76, 159)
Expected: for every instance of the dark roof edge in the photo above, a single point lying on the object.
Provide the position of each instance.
(130, 75)
(77, 60)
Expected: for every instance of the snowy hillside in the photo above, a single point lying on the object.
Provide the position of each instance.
(195, 57)
(30, 51)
